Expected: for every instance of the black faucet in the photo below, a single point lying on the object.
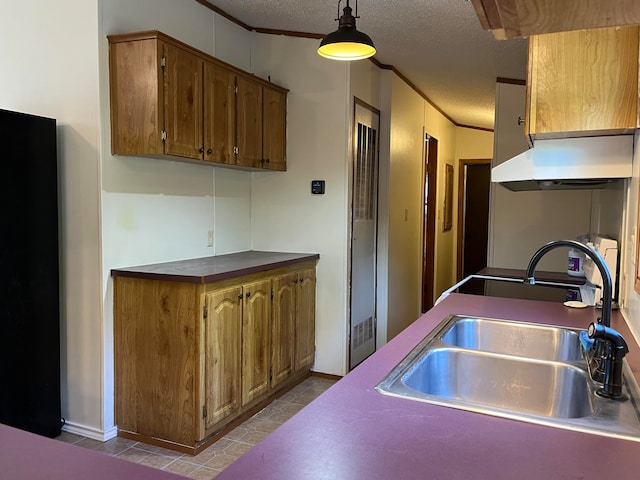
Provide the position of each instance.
(605, 356)
(616, 350)
(607, 291)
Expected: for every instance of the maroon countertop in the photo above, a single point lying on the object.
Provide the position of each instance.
(210, 269)
(25, 456)
(353, 432)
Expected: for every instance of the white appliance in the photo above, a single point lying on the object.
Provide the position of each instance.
(607, 247)
(568, 163)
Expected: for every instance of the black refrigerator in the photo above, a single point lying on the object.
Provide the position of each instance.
(29, 278)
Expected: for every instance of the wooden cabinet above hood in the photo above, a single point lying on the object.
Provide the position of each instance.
(521, 18)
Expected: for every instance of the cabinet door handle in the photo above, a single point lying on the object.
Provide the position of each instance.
(248, 294)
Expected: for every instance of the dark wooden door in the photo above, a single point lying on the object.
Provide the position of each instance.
(476, 221)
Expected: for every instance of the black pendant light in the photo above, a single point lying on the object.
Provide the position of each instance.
(347, 43)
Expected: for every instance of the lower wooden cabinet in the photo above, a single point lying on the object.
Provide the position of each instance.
(191, 358)
(222, 368)
(293, 309)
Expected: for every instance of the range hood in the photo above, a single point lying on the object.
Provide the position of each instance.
(567, 164)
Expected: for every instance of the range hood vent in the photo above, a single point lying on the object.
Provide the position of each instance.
(568, 164)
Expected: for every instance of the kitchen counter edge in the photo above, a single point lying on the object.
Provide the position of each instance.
(214, 268)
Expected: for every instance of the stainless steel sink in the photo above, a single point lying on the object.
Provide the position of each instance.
(498, 381)
(522, 339)
(466, 363)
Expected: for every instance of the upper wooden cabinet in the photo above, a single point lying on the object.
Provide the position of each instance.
(583, 83)
(173, 101)
(521, 18)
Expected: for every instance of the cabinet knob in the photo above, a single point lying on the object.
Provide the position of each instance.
(209, 151)
(520, 121)
(248, 294)
(201, 150)
(295, 281)
(267, 160)
(240, 296)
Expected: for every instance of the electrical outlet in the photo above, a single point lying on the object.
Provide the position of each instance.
(209, 238)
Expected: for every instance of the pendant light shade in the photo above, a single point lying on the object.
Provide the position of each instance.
(347, 43)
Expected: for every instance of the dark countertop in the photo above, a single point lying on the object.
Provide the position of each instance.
(353, 432)
(210, 269)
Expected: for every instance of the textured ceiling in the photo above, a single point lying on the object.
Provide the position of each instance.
(438, 45)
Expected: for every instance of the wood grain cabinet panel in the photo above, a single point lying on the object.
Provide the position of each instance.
(256, 322)
(522, 18)
(282, 325)
(219, 114)
(583, 83)
(137, 97)
(274, 131)
(156, 332)
(249, 122)
(223, 333)
(305, 319)
(183, 104)
(191, 358)
(169, 100)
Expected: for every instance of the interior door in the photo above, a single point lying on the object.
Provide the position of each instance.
(364, 227)
(475, 221)
(429, 220)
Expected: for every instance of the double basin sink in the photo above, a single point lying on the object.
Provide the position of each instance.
(524, 371)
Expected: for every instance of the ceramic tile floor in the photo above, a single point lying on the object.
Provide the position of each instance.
(210, 462)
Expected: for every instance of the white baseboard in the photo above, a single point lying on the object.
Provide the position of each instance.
(91, 432)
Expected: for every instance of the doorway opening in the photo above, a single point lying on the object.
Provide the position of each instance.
(429, 220)
(364, 232)
(474, 182)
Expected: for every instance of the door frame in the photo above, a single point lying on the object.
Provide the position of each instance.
(375, 111)
(462, 191)
(430, 175)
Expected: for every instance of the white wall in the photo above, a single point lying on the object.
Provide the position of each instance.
(631, 299)
(49, 51)
(286, 216)
(158, 210)
(441, 128)
(405, 206)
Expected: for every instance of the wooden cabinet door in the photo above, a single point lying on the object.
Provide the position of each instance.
(306, 319)
(249, 123)
(136, 89)
(274, 129)
(223, 325)
(256, 339)
(583, 82)
(283, 327)
(183, 103)
(219, 114)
